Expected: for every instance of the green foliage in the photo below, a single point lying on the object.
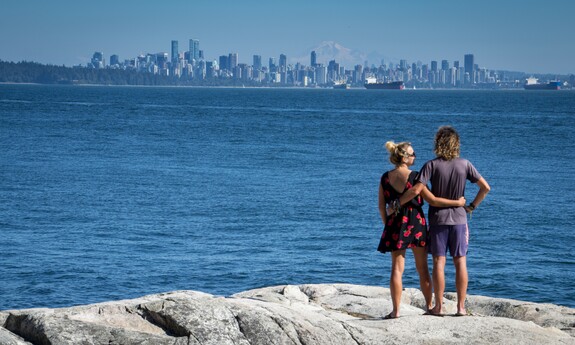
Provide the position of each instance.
(32, 72)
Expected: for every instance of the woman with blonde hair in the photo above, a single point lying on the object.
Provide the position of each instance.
(405, 227)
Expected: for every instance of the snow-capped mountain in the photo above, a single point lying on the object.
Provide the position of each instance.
(330, 50)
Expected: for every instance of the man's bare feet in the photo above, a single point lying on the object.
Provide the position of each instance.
(434, 312)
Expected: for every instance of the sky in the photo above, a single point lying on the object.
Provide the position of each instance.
(532, 36)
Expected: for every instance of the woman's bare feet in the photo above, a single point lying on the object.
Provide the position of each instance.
(461, 312)
(392, 315)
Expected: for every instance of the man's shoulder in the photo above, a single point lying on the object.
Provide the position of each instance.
(442, 165)
(463, 161)
(435, 162)
(455, 161)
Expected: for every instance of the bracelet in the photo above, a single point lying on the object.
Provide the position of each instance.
(396, 206)
(471, 206)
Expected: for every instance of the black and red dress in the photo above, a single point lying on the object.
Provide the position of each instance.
(408, 228)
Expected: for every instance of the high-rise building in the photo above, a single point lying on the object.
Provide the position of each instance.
(453, 76)
(425, 72)
(194, 49)
(433, 66)
(321, 75)
(313, 59)
(357, 74)
(257, 62)
(161, 60)
(468, 65)
(444, 65)
(224, 63)
(175, 52)
(403, 65)
(283, 63)
(333, 71)
(233, 61)
(272, 64)
(460, 75)
(114, 60)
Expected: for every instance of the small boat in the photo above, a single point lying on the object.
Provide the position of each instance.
(341, 85)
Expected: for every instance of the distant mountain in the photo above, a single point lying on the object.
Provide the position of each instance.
(330, 50)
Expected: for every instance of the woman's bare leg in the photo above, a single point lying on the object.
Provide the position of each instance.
(395, 281)
(420, 255)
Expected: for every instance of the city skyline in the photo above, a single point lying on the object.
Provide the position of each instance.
(515, 35)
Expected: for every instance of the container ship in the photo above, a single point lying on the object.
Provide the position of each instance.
(533, 84)
(371, 84)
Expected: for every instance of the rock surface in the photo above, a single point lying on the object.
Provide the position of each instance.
(304, 314)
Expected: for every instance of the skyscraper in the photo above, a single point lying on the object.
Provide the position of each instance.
(195, 49)
(468, 65)
(313, 59)
(114, 60)
(433, 66)
(232, 61)
(283, 63)
(224, 63)
(175, 52)
(403, 65)
(257, 62)
(444, 65)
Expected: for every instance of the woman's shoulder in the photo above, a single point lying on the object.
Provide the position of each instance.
(385, 178)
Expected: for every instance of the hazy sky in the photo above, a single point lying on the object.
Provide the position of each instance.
(532, 36)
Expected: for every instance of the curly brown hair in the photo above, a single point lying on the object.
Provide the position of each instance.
(447, 143)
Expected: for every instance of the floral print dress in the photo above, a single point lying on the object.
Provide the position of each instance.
(408, 228)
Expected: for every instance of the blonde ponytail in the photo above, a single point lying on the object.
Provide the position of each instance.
(397, 151)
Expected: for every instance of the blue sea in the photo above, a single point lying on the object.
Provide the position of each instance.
(111, 193)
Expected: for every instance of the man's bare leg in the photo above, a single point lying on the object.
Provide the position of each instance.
(461, 281)
(420, 255)
(438, 283)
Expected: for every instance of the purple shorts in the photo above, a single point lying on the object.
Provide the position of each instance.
(456, 237)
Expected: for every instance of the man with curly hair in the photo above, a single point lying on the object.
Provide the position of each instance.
(448, 229)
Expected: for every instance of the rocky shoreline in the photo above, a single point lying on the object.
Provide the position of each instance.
(290, 314)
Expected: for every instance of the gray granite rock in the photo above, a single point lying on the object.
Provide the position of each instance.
(304, 314)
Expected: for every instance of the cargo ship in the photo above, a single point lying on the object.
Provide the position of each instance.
(533, 84)
(370, 84)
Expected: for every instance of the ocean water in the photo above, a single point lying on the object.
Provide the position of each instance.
(117, 192)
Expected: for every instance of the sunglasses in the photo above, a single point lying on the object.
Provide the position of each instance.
(411, 155)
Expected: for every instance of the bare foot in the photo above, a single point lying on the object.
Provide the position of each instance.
(461, 312)
(391, 315)
(434, 311)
